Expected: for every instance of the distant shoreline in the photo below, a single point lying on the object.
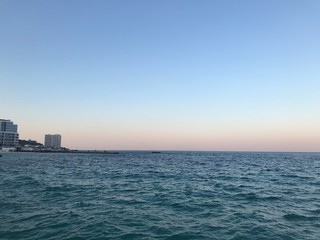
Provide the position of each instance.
(75, 151)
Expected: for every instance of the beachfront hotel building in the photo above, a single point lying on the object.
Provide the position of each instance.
(9, 136)
(52, 140)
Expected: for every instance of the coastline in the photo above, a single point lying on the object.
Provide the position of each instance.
(72, 151)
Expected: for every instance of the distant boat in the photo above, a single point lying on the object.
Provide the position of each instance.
(0, 155)
(155, 152)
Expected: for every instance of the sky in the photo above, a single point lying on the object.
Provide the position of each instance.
(206, 75)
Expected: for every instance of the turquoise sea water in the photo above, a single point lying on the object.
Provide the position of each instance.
(172, 195)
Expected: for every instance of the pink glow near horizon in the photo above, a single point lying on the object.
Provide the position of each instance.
(272, 139)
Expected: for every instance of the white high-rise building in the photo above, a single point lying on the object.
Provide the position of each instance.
(52, 140)
(9, 136)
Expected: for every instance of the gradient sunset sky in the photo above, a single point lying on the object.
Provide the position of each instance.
(170, 75)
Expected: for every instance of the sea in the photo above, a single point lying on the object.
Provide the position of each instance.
(169, 195)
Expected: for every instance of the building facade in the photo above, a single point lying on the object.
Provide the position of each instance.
(9, 136)
(52, 140)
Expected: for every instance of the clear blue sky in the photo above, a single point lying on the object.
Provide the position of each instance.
(185, 75)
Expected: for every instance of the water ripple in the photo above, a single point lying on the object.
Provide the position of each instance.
(172, 195)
